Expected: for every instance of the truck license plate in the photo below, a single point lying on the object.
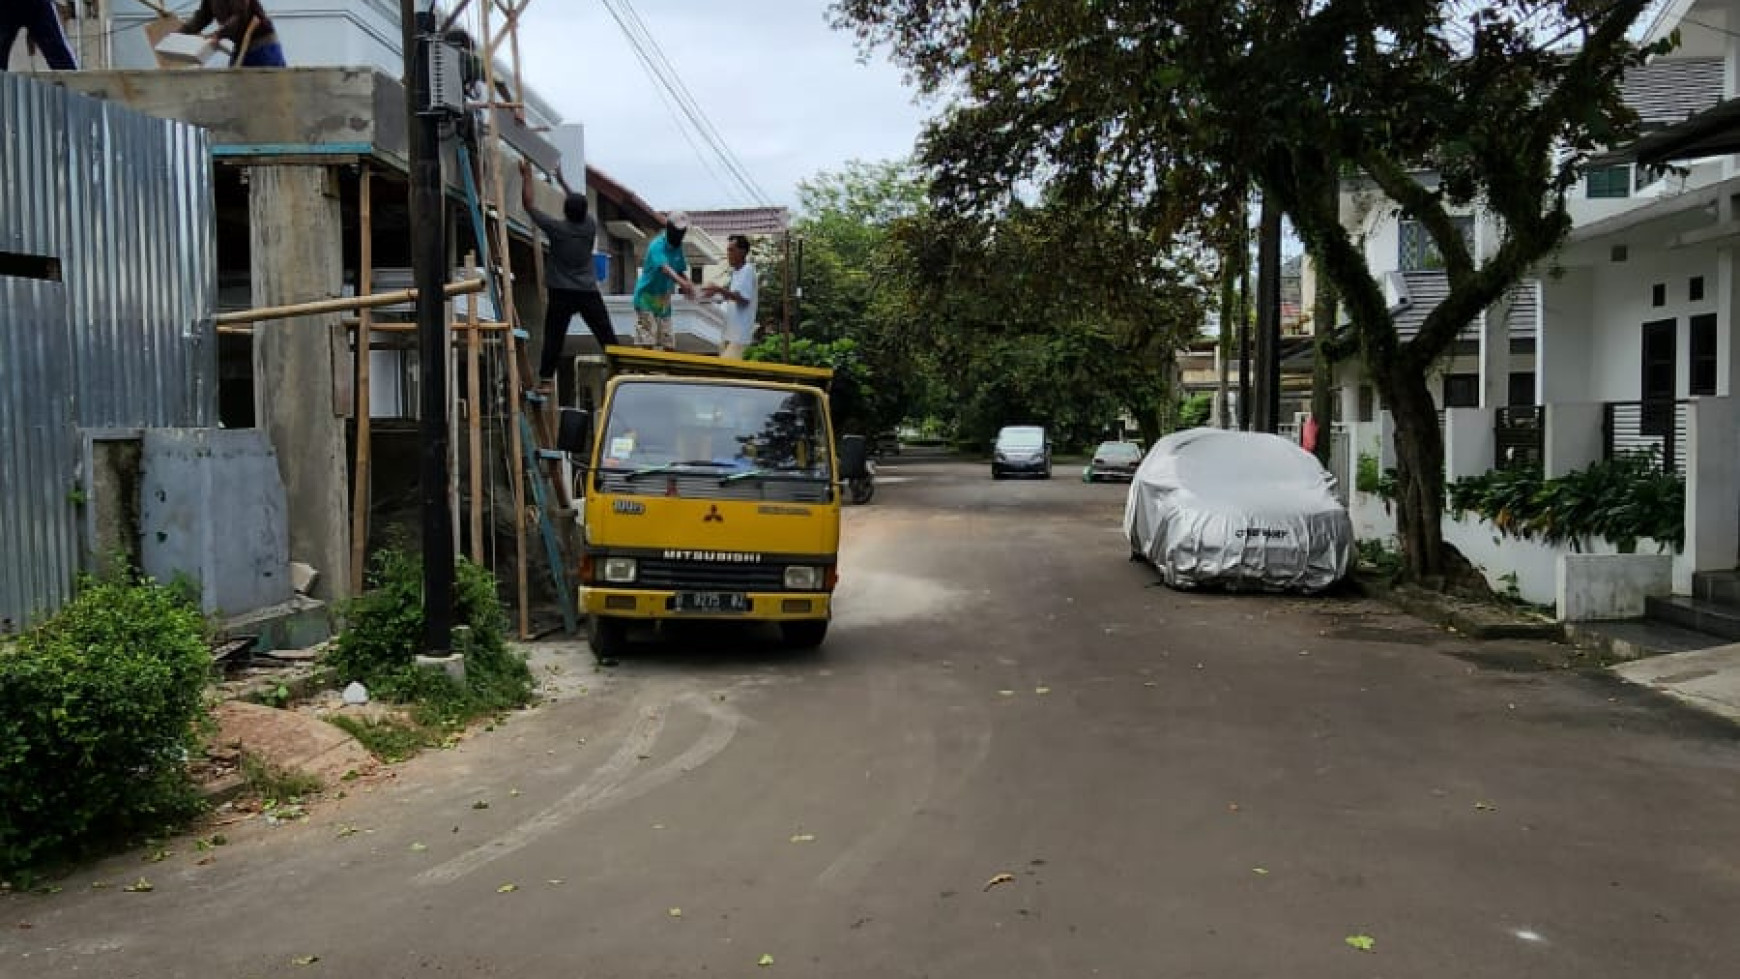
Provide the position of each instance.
(712, 601)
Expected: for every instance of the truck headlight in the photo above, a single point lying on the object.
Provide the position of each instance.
(620, 570)
(803, 578)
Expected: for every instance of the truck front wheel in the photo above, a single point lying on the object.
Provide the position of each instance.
(804, 634)
(608, 637)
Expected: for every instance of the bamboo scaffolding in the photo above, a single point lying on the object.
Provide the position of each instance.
(474, 423)
(342, 304)
(504, 262)
(362, 493)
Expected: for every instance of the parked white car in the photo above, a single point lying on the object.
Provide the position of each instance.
(1241, 510)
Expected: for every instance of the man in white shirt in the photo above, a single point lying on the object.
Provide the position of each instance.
(739, 297)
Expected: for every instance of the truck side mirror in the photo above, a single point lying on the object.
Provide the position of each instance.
(575, 434)
(854, 456)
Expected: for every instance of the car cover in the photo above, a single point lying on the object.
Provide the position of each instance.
(1237, 509)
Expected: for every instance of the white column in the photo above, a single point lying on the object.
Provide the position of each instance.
(1712, 489)
(1573, 437)
(1470, 443)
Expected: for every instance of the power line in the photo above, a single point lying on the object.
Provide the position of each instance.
(670, 107)
(665, 75)
(711, 132)
(667, 79)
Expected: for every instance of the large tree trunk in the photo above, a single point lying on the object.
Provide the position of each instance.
(1419, 473)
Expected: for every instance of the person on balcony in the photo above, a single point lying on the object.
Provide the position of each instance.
(40, 22)
(570, 275)
(245, 25)
(660, 275)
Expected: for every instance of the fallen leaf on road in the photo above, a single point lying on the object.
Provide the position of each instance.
(1041, 691)
(140, 886)
(555, 882)
(999, 879)
(480, 804)
(158, 856)
(804, 838)
(1259, 871)
(1150, 683)
(419, 847)
(1362, 942)
(347, 830)
(764, 961)
(305, 960)
(1485, 807)
(675, 912)
(1232, 807)
(507, 888)
(1005, 693)
(97, 885)
(658, 825)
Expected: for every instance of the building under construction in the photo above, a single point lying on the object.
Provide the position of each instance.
(310, 202)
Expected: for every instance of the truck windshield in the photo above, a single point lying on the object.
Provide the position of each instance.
(715, 429)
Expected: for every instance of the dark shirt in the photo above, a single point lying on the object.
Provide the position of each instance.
(571, 245)
(232, 17)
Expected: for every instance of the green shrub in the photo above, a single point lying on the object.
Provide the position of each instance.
(1368, 478)
(384, 633)
(99, 709)
(1621, 499)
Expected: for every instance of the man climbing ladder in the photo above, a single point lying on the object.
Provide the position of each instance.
(570, 276)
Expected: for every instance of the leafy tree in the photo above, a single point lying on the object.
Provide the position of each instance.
(1442, 105)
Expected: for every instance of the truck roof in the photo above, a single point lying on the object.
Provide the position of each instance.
(635, 360)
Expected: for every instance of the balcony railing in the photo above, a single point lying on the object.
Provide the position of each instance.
(1520, 435)
(1654, 428)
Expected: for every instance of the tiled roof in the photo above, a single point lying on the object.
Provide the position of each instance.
(1425, 290)
(1667, 91)
(743, 221)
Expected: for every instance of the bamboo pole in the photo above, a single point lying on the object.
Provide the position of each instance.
(363, 491)
(517, 465)
(341, 304)
(474, 424)
(459, 327)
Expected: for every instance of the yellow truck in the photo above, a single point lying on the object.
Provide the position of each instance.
(712, 491)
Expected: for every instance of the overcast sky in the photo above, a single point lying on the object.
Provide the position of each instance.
(786, 92)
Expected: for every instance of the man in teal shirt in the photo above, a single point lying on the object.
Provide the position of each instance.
(661, 273)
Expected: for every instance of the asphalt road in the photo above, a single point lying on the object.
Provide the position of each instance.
(1016, 756)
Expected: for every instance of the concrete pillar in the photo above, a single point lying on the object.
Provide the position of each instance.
(1727, 305)
(1386, 426)
(1470, 444)
(296, 239)
(1573, 437)
(1712, 489)
(1495, 355)
(1562, 352)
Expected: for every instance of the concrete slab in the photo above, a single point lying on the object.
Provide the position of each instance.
(1708, 679)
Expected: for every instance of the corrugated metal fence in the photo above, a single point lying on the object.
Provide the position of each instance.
(107, 287)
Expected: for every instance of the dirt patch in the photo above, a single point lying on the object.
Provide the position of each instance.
(293, 741)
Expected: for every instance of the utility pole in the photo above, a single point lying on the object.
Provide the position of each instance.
(786, 319)
(428, 258)
(1244, 234)
(1268, 400)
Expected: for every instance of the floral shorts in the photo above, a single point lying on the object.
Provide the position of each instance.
(651, 330)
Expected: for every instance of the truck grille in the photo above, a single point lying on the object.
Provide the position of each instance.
(708, 488)
(710, 576)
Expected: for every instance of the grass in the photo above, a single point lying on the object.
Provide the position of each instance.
(389, 740)
(271, 782)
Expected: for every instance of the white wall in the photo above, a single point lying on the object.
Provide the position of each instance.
(1621, 304)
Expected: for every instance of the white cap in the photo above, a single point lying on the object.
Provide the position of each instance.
(678, 220)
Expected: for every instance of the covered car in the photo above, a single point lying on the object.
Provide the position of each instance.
(1242, 510)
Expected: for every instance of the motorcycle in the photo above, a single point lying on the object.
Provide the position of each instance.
(863, 488)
